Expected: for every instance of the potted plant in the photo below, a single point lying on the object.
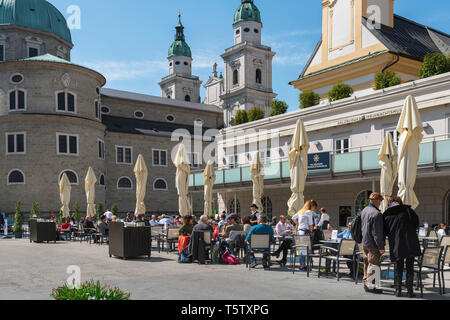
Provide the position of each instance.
(18, 221)
(76, 211)
(35, 212)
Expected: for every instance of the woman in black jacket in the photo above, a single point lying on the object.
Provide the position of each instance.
(400, 226)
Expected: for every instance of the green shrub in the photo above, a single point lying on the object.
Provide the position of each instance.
(100, 210)
(255, 113)
(60, 217)
(18, 220)
(89, 291)
(308, 99)
(434, 64)
(340, 91)
(240, 117)
(35, 212)
(278, 107)
(77, 211)
(386, 79)
(115, 209)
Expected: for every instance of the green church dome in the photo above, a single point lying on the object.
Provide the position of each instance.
(35, 14)
(179, 47)
(247, 11)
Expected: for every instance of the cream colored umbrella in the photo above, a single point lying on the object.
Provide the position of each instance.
(183, 166)
(89, 188)
(298, 166)
(257, 176)
(141, 173)
(410, 129)
(64, 195)
(388, 162)
(210, 178)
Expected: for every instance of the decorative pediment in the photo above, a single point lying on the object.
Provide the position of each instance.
(34, 40)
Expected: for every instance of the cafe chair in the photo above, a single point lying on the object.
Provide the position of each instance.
(327, 234)
(236, 242)
(157, 233)
(445, 261)
(445, 241)
(259, 243)
(429, 262)
(171, 239)
(346, 248)
(67, 232)
(303, 243)
(386, 259)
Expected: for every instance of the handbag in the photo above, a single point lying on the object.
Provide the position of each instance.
(183, 242)
(229, 258)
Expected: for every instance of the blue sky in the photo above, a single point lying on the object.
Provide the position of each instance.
(127, 41)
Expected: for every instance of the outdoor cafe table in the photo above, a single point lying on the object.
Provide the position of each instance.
(42, 231)
(130, 241)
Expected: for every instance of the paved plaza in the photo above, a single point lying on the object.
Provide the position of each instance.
(30, 271)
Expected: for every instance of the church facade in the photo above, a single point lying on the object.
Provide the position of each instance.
(56, 117)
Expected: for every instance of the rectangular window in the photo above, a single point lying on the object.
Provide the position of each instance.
(233, 161)
(17, 100)
(395, 135)
(33, 52)
(70, 102)
(159, 157)
(265, 156)
(101, 149)
(15, 143)
(193, 158)
(2, 52)
(342, 145)
(124, 155)
(67, 144)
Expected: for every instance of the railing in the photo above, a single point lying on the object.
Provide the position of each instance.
(432, 153)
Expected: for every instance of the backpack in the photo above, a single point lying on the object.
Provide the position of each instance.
(357, 229)
(184, 256)
(230, 259)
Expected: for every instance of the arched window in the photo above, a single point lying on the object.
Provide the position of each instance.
(71, 175)
(362, 200)
(101, 180)
(160, 184)
(65, 101)
(258, 76)
(124, 183)
(267, 205)
(235, 77)
(16, 176)
(187, 98)
(17, 100)
(234, 207)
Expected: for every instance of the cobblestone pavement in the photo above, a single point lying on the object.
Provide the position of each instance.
(30, 271)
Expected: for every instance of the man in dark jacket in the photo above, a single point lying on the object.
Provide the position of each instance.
(400, 226)
(373, 240)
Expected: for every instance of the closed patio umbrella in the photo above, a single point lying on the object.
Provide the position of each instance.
(388, 162)
(141, 173)
(257, 176)
(298, 166)
(410, 129)
(89, 188)
(183, 166)
(210, 178)
(64, 194)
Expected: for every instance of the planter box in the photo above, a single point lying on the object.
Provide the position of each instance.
(42, 231)
(129, 242)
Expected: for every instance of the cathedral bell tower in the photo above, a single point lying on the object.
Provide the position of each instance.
(180, 84)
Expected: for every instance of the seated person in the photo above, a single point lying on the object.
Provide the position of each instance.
(154, 221)
(103, 226)
(186, 229)
(284, 229)
(129, 217)
(442, 231)
(196, 247)
(231, 225)
(223, 219)
(346, 234)
(58, 233)
(261, 228)
(114, 219)
(166, 220)
(141, 218)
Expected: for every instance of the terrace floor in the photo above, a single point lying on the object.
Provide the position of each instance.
(30, 271)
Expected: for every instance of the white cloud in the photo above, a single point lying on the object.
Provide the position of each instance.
(298, 59)
(127, 70)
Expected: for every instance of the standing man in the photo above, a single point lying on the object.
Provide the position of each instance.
(373, 236)
(254, 214)
(108, 214)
